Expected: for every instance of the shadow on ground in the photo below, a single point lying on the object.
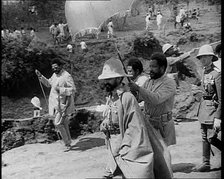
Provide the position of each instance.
(88, 143)
(183, 167)
(216, 169)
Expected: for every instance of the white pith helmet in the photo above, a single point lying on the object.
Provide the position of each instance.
(113, 68)
(36, 102)
(207, 50)
(166, 47)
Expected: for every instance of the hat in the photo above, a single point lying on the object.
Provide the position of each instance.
(36, 102)
(207, 50)
(113, 68)
(166, 47)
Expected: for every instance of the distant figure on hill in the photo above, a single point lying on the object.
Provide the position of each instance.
(83, 46)
(23, 32)
(32, 33)
(148, 22)
(110, 27)
(69, 48)
(3, 34)
(159, 20)
(54, 31)
(187, 27)
(61, 35)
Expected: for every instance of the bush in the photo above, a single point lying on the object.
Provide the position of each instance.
(145, 44)
(20, 58)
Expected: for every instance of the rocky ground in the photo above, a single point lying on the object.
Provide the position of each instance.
(32, 156)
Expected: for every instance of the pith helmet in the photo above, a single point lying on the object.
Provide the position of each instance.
(166, 47)
(207, 50)
(113, 68)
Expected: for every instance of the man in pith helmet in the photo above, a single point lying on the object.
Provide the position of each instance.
(209, 112)
(174, 59)
(137, 151)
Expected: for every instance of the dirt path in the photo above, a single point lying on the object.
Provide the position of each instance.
(88, 157)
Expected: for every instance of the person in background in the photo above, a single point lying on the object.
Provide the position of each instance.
(3, 33)
(110, 27)
(135, 69)
(32, 33)
(175, 58)
(54, 31)
(147, 21)
(23, 32)
(61, 34)
(209, 112)
(84, 46)
(61, 98)
(159, 20)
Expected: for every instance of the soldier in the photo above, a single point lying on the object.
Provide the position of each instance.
(174, 59)
(137, 151)
(209, 112)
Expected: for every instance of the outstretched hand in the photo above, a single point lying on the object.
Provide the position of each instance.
(192, 50)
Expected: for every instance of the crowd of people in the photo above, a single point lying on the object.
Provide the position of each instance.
(139, 102)
(181, 19)
(59, 32)
(18, 34)
(141, 149)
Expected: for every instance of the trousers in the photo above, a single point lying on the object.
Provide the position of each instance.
(62, 125)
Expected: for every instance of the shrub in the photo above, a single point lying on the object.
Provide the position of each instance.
(20, 58)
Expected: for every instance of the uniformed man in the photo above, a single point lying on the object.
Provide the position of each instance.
(209, 113)
(174, 59)
(137, 151)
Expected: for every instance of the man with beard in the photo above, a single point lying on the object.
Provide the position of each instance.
(61, 98)
(138, 151)
(158, 94)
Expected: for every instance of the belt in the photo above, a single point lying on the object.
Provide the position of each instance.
(160, 122)
(164, 117)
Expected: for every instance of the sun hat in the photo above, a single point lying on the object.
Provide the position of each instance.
(113, 68)
(207, 50)
(166, 47)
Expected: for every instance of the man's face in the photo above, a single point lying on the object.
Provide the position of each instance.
(56, 68)
(130, 71)
(111, 83)
(155, 71)
(206, 60)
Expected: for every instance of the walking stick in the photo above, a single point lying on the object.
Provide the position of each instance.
(43, 92)
(119, 55)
